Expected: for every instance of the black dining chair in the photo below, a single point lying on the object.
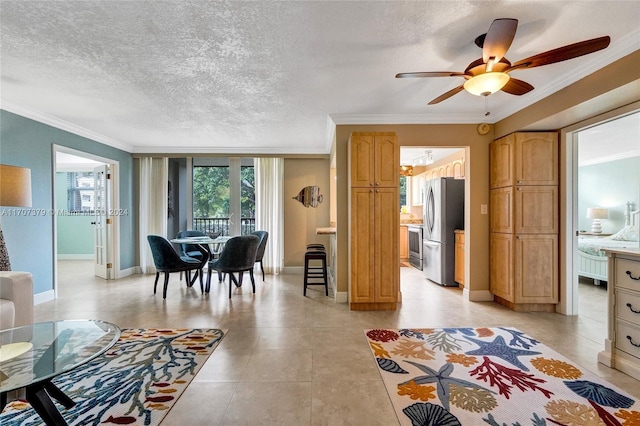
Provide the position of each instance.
(192, 251)
(167, 260)
(238, 255)
(263, 236)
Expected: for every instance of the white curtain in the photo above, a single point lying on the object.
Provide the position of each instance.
(269, 173)
(154, 177)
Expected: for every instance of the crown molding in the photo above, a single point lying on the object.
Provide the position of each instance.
(228, 151)
(353, 119)
(64, 125)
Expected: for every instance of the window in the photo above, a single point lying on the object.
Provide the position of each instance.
(224, 189)
(80, 192)
(403, 191)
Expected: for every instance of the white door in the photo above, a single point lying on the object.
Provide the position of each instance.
(101, 186)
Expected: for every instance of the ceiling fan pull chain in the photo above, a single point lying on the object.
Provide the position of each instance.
(486, 106)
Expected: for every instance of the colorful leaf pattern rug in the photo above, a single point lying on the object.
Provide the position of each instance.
(491, 376)
(136, 382)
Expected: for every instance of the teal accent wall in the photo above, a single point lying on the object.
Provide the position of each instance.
(609, 185)
(75, 233)
(29, 235)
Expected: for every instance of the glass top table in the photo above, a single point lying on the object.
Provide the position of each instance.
(31, 356)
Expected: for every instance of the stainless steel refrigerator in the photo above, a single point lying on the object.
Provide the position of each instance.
(443, 212)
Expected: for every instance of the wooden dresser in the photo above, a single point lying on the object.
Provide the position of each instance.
(622, 345)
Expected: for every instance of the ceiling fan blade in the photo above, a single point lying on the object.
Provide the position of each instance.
(429, 74)
(560, 54)
(498, 39)
(447, 95)
(517, 87)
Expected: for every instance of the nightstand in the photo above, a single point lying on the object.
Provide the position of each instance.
(593, 234)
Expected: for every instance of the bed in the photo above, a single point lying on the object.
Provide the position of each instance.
(592, 262)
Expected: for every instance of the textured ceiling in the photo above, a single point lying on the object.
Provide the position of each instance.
(273, 77)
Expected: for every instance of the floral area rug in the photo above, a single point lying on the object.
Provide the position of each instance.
(136, 382)
(491, 376)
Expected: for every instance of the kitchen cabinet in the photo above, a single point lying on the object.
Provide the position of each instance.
(375, 160)
(622, 345)
(417, 186)
(523, 221)
(459, 257)
(524, 271)
(524, 159)
(374, 226)
(524, 209)
(458, 168)
(404, 242)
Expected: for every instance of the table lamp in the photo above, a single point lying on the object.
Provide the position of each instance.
(15, 191)
(597, 213)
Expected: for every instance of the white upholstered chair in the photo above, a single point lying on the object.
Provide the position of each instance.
(16, 299)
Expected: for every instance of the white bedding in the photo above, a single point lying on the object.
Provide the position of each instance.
(592, 246)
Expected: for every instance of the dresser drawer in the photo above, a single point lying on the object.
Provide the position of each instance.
(628, 338)
(628, 306)
(628, 274)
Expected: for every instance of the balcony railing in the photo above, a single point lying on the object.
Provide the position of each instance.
(214, 224)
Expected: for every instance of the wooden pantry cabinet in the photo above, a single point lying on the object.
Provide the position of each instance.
(523, 221)
(374, 205)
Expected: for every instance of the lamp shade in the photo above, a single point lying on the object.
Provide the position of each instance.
(15, 186)
(487, 83)
(597, 213)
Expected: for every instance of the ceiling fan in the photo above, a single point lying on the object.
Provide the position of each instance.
(490, 73)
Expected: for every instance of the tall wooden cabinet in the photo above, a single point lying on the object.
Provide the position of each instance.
(523, 221)
(374, 204)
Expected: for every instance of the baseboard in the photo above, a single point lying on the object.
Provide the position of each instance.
(43, 297)
(293, 270)
(342, 296)
(477, 295)
(79, 256)
(134, 270)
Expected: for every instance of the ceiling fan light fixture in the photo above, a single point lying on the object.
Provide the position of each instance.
(487, 83)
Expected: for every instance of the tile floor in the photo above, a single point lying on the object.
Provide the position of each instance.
(291, 360)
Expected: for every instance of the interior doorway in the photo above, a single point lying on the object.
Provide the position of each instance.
(80, 205)
(419, 165)
(606, 188)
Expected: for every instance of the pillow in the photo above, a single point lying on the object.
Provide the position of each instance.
(628, 233)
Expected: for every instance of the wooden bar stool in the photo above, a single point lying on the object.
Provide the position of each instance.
(313, 271)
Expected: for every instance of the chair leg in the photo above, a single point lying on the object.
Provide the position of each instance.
(196, 274)
(166, 284)
(253, 282)
(240, 276)
(201, 281)
(262, 269)
(306, 273)
(231, 278)
(324, 273)
(155, 285)
(209, 271)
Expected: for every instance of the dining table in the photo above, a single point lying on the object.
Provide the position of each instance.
(209, 247)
